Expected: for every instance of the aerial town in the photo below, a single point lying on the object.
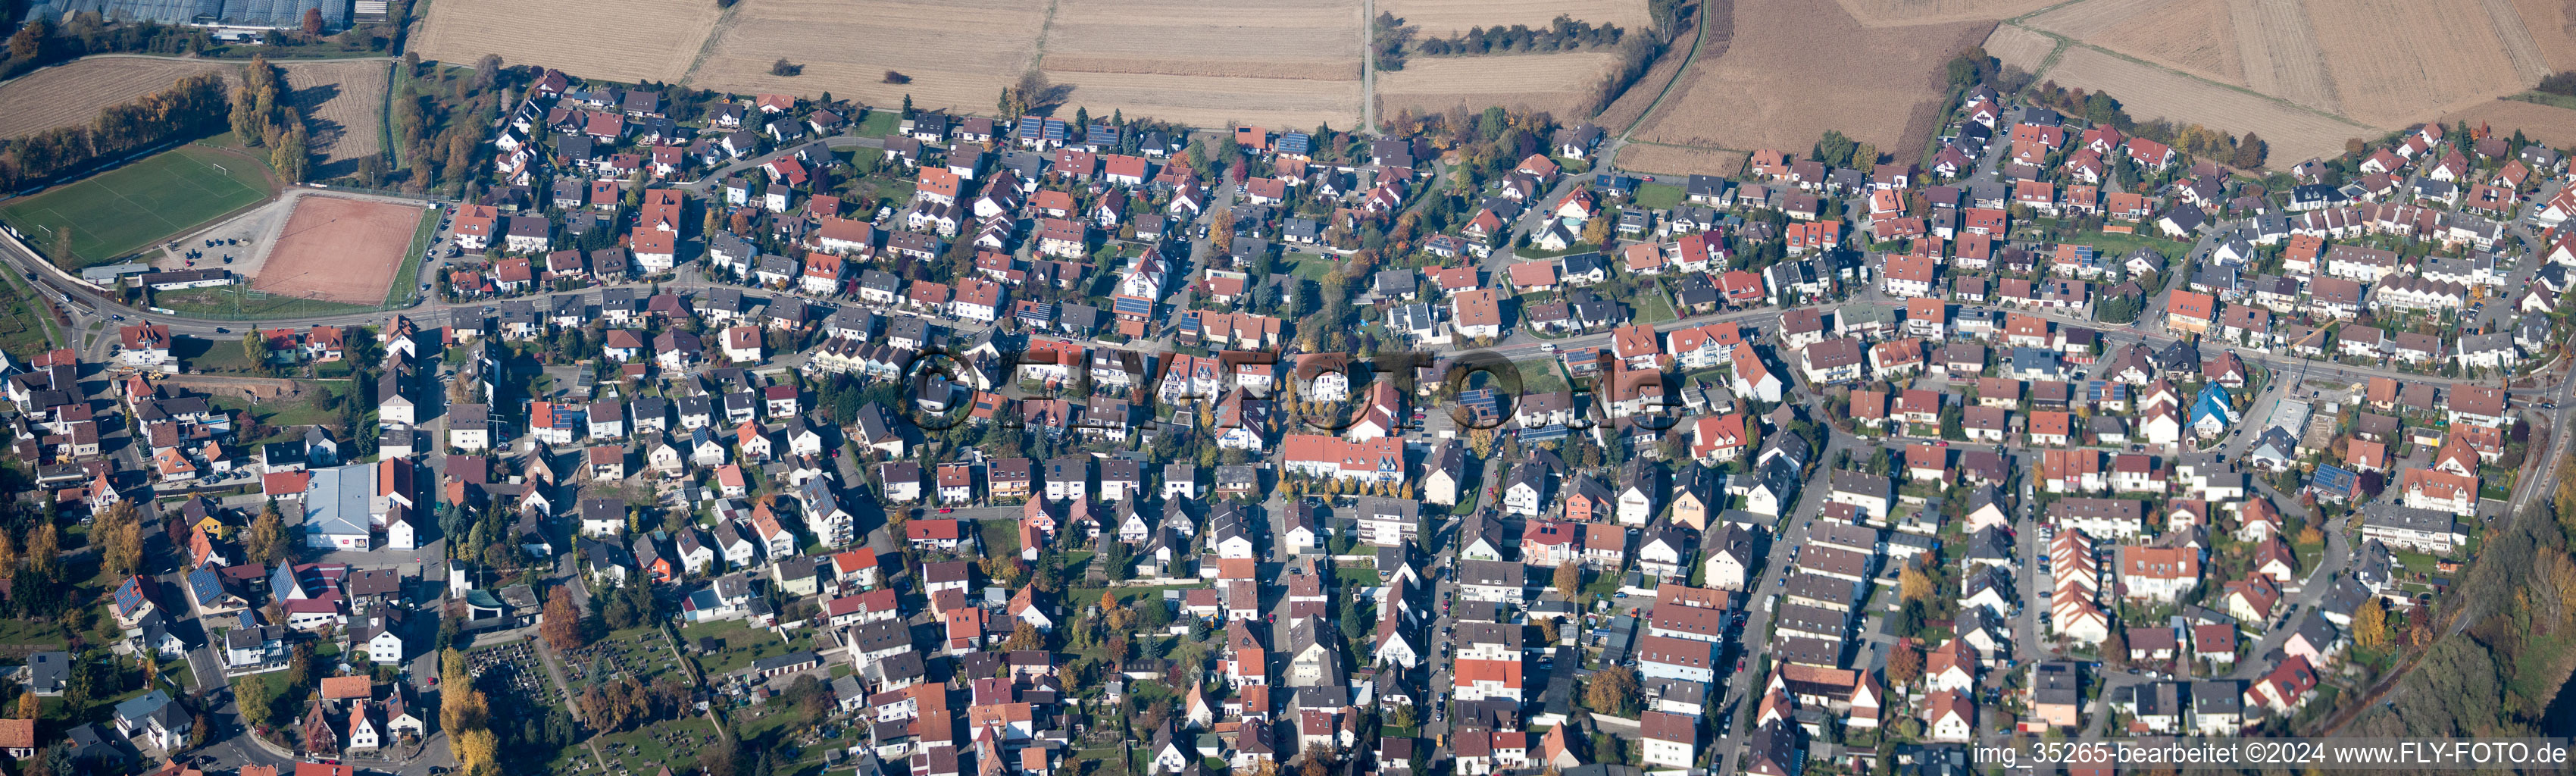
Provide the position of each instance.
(752, 434)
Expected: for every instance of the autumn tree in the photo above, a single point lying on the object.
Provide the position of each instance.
(1025, 636)
(1569, 579)
(2370, 624)
(313, 22)
(266, 540)
(1612, 691)
(476, 751)
(44, 553)
(562, 627)
(1904, 665)
(1597, 231)
(1913, 585)
(2250, 151)
(8, 556)
(120, 540)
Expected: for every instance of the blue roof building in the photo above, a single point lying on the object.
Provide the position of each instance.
(2210, 412)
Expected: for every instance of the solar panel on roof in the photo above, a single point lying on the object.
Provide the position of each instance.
(1133, 306)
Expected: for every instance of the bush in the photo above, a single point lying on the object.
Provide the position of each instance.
(893, 77)
(2561, 83)
(784, 68)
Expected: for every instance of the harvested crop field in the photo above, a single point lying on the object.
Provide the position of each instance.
(344, 107)
(1561, 84)
(2018, 46)
(1771, 89)
(959, 55)
(2400, 61)
(1897, 13)
(1675, 160)
(632, 40)
(1443, 18)
(2552, 24)
(2280, 52)
(1202, 101)
(2152, 92)
(2193, 36)
(70, 94)
(341, 250)
(2545, 123)
(1202, 68)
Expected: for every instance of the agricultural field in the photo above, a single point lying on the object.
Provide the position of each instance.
(1444, 18)
(2018, 46)
(2545, 123)
(2150, 92)
(2367, 65)
(1562, 84)
(1898, 13)
(2396, 62)
(652, 40)
(958, 54)
(71, 94)
(1196, 68)
(344, 108)
(1773, 91)
(2552, 24)
(1675, 160)
(2194, 36)
(107, 216)
(1211, 101)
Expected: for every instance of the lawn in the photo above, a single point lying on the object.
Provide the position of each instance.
(1652, 306)
(24, 328)
(2114, 245)
(1540, 375)
(117, 213)
(647, 748)
(1659, 196)
(407, 278)
(742, 644)
(1001, 538)
(306, 410)
(239, 301)
(878, 123)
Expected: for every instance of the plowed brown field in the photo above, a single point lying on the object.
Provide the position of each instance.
(1796, 69)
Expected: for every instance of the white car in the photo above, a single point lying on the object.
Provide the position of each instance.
(1549, 347)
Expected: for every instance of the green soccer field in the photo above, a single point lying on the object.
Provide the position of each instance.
(119, 212)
